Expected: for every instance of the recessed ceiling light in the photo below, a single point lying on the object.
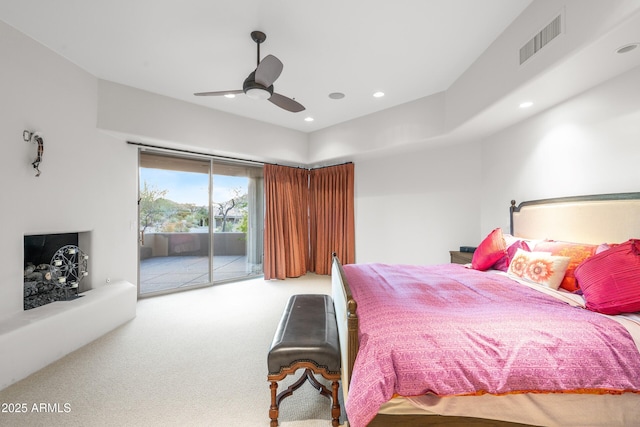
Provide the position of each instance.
(378, 94)
(526, 104)
(627, 48)
(308, 119)
(230, 95)
(336, 95)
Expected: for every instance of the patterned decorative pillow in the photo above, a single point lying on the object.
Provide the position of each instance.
(578, 252)
(539, 267)
(491, 249)
(503, 263)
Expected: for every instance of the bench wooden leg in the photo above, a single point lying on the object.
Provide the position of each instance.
(314, 382)
(308, 375)
(335, 408)
(273, 409)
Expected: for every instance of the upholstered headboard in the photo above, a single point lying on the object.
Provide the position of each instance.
(602, 218)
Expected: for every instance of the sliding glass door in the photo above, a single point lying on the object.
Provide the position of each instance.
(237, 211)
(200, 222)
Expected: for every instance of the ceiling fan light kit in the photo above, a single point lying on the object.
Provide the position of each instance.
(258, 93)
(259, 84)
(255, 90)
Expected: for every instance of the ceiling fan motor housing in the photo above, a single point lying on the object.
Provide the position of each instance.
(256, 90)
(268, 70)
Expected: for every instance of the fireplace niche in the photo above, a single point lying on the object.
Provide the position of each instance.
(55, 267)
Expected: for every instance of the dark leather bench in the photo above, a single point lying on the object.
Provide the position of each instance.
(306, 338)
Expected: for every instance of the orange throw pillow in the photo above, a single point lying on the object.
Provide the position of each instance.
(578, 252)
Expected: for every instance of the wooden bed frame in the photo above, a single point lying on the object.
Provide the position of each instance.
(617, 218)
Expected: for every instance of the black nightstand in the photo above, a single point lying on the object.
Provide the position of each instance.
(458, 257)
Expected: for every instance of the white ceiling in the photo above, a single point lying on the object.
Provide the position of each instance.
(408, 49)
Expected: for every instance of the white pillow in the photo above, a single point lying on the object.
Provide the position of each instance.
(539, 267)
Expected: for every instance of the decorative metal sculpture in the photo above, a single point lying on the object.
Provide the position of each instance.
(35, 137)
(69, 267)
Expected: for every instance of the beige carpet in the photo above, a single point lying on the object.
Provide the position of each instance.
(195, 358)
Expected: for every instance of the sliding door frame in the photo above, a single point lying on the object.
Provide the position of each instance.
(211, 159)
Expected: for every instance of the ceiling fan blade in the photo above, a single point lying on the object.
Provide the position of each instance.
(286, 103)
(220, 93)
(268, 70)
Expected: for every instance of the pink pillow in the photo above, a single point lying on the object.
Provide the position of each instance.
(491, 249)
(503, 263)
(610, 280)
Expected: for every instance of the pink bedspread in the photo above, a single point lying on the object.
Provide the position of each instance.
(450, 330)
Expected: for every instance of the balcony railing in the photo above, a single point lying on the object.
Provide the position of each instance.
(193, 244)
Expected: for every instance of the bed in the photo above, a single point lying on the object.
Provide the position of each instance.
(487, 380)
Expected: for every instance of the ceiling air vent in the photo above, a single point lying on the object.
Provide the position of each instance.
(541, 39)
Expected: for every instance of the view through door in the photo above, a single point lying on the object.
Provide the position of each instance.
(200, 222)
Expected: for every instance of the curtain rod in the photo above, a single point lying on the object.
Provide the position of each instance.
(215, 156)
(179, 150)
(330, 166)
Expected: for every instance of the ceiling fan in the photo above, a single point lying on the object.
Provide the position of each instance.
(259, 84)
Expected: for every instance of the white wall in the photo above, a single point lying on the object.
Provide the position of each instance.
(587, 145)
(415, 207)
(142, 116)
(411, 123)
(86, 179)
(85, 186)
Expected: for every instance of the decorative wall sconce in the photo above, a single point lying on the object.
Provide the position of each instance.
(35, 137)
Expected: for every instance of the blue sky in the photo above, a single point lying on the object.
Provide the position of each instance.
(190, 187)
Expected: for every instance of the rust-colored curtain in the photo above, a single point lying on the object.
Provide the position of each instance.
(286, 229)
(331, 217)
